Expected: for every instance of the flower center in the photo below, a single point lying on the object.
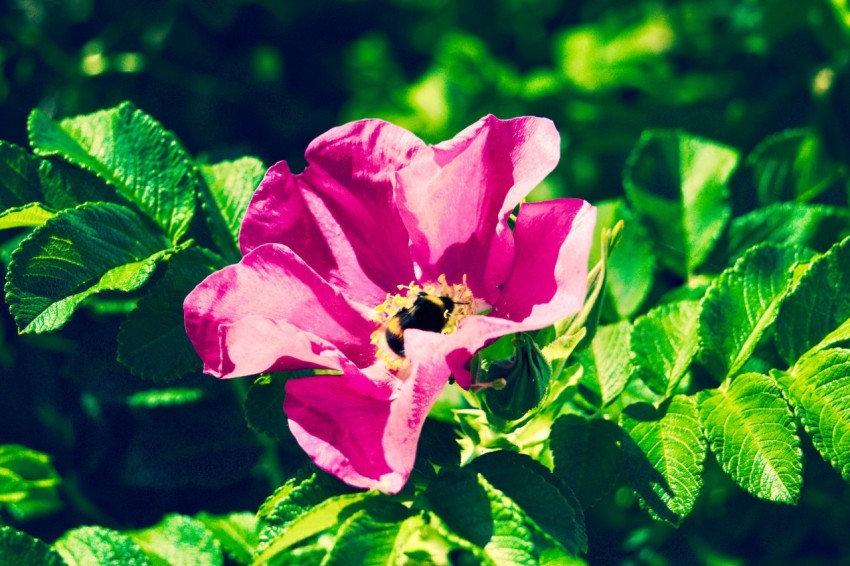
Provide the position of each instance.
(435, 307)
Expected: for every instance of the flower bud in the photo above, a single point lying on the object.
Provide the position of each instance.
(515, 385)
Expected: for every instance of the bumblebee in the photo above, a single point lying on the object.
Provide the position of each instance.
(428, 312)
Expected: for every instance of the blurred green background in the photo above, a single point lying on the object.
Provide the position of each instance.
(236, 77)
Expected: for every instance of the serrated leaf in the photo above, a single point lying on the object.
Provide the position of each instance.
(664, 452)
(85, 546)
(606, 362)
(472, 508)
(311, 521)
(153, 341)
(818, 387)
(751, 430)
(131, 151)
(789, 224)
(238, 533)
(371, 536)
(33, 214)
(587, 456)
(428, 540)
(792, 166)
(631, 264)
(225, 195)
(818, 305)
(741, 305)
(80, 252)
(539, 493)
(677, 183)
(66, 186)
(664, 342)
(17, 547)
(179, 539)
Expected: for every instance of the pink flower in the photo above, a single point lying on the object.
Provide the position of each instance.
(332, 256)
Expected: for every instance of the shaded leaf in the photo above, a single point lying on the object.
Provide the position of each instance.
(793, 166)
(131, 151)
(677, 183)
(751, 430)
(664, 451)
(741, 305)
(587, 455)
(153, 341)
(80, 252)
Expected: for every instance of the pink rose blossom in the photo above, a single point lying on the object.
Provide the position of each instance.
(332, 254)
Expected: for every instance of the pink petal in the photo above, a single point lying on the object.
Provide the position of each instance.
(269, 310)
(339, 214)
(455, 197)
(361, 427)
(548, 282)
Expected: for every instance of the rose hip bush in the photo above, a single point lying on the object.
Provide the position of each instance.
(579, 354)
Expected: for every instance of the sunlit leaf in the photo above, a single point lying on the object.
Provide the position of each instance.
(84, 546)
(237, 533)
(751, 430)
(179, 539)
(818, 388)
(225, 196)
(741, 305)
(131, 151)
(606, 362)
(819, 304)
(80, 252)
(664, 342)
(665, 451)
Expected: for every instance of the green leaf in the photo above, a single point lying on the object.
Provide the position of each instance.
(818, 305)
(751, 430)
(225, 196)
(664, 342)
(131, 151)
(472, 508)
(66, 186)
(295, 499)
(793, 166)
(17, 547)
(788, 224)
(741, 305)
(587, 456)
(28, 483)
(371, 536)
(264, 404)
(606, 362)
(19, 184)
(178, 539)
(238, 533)
(664, 452)
(539, 493)
(80, 252)
(677, 183)
(818, 388)
(312, 521)
(428, 540)
(33, 214)
(631, 264)
(153, 341)
(172, 396)
(85, 546)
